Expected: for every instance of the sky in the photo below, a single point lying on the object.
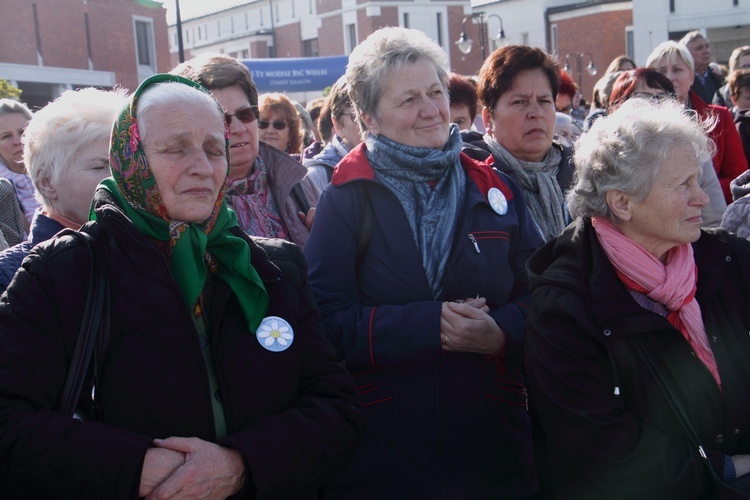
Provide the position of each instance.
(192, 8)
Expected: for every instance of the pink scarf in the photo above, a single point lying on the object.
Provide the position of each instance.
(253, 203)
(672, 284)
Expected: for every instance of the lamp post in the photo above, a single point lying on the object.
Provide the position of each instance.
(180, 47)
(464, 44)
(590, 68)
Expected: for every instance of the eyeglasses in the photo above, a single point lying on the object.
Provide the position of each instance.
(278, 124)
(653, 97)
(245, 115)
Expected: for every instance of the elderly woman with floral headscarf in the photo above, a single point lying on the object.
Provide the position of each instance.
(217, 380)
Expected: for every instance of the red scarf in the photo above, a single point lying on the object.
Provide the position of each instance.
(672, 284)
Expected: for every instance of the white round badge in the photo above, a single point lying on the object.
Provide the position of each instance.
(275, 334)
(497, 201)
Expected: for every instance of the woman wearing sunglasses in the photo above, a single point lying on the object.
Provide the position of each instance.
(267, 188)
(648, 83)
(279, 123)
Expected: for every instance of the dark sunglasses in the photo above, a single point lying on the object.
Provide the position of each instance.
(246, 115)
(278, 124)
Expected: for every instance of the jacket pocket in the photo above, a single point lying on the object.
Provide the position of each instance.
(369, 390)
(509, 392)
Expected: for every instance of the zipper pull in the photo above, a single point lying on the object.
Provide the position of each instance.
(474, 240)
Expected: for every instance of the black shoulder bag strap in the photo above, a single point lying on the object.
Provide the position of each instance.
(299, 196)
(93, 338)
(725, 490)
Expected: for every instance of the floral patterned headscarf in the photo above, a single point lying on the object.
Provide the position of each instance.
(191, 249)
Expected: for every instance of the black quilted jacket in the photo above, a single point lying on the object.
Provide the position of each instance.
(293, 415)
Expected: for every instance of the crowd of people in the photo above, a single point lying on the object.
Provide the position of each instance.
(424, 285)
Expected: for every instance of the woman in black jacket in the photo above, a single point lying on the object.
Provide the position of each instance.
(217, 381)
(633, 307)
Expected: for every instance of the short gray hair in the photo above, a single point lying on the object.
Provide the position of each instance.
(384, 51)
(169, 93)
(625, 150)
(10, 107)
(667, 51)
(58, 131)
(691, 37)
(737, 54)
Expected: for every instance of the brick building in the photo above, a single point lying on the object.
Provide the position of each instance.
(591, 32)
(258, 29)
(48, 46)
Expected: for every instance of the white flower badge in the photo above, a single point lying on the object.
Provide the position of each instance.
(497, 200)
(275, 334)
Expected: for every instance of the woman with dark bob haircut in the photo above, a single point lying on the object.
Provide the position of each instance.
(518, 88)
(463, 96)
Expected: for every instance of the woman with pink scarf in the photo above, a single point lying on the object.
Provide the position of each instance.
(637, 351)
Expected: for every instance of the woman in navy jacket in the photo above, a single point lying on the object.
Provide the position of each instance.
(417, 259)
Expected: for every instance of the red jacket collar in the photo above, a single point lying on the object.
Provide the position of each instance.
(355, 166)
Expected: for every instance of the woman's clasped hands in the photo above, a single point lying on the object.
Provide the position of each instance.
(466, 326)
(179, 468)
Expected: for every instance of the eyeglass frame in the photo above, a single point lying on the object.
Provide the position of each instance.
(253, 111)
(264, 124)
(653, 97)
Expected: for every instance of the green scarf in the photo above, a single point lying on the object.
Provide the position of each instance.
(191, 249)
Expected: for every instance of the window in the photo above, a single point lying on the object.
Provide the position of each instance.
(553, 39)
(311, 6)
(525, 38)
(294, 14)
(200, 33)
(310, 48)
(629, 42)
(671, 5)
(439, 19)
(351, 31)
(406, 20)
(245, 53)
(144, 41)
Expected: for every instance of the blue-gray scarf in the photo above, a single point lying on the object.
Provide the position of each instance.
(432, 211)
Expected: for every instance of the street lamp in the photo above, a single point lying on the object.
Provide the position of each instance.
(464, 44)
(590, 68)
(500, 37)
(180, 46)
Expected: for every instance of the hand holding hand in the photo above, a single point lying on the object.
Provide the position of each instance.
(466, 328)
(158, 465)
(307, 220)
(210, 471)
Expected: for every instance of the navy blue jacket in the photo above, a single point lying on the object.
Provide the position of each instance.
(440, 425)
(42, 229)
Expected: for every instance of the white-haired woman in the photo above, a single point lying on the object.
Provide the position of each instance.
(636, 312)
(66, 149)
(14, 116)
(417, 259)
(217, 380)
(675, 61)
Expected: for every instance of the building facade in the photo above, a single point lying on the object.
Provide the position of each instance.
(48, 46)
(259, 29)
(726, 23)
